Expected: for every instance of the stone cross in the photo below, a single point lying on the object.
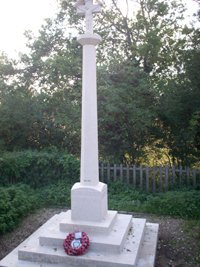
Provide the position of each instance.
(88, 9)
(89, 197)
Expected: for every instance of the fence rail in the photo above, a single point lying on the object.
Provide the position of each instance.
(151, 179)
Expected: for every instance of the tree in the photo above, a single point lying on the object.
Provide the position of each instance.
(179, 106)
(146, 76)
(126, 113)
(42, 108)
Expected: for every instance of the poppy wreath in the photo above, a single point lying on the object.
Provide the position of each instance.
(76, 244)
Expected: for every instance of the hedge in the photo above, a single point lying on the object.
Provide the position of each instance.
(16, 202)
(38, 168)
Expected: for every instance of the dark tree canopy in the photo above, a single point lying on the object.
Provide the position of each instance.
(148, 85)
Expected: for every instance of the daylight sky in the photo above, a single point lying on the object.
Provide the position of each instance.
(16, 16)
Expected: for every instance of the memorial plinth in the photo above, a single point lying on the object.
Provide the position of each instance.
(117, 240)
(129, 242)
(89, 203)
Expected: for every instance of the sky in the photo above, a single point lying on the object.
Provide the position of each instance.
(16, 16)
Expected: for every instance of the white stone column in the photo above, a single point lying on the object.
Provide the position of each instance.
(89, 201)
(89, 128)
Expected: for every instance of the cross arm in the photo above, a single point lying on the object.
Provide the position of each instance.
(81, 9)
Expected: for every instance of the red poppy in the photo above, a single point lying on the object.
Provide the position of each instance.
(76, 243)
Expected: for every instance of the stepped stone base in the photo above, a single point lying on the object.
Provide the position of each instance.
(104, 226)
(129, 243)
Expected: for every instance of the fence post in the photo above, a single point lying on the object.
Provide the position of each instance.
(115, 172)
(141, 177)
(161, 178)
(154, 176)
(102, 172)
(154, 179)
(173, 175)
(166, 178)
(127, 175)
(188, 175)
(194, 172)
(108, 172)
(180, 175)
(121, 172)
(147, 179)
(134, 176)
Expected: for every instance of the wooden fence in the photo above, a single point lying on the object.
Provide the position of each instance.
(151, 179)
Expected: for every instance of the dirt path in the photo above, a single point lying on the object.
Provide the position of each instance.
(177, 247)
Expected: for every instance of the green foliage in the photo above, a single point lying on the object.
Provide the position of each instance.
(15, 203)
(18, 201)
(124, 198)
(55, 195)
(37, 122)
(183, 204)
(126, 113)
(179, 113)
(148, 63)
(38, 168)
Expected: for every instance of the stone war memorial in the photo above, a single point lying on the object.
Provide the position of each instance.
(115, 240)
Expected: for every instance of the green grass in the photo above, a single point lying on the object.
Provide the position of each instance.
(192, 228)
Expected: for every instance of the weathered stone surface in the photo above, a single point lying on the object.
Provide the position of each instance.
(89, 203)
(137, 246)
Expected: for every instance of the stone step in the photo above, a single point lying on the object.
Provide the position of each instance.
(37, 264)
(135, 252)
(147, 254)
(103, 227)
(56, 255)
(112, 242)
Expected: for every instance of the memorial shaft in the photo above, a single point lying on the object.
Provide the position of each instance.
(89, 134)
(89, 201)
(89, 126)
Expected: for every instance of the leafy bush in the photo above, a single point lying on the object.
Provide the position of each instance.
(183, 204)
(37, 168)
(15, 203)
(57, 194)
(19, 200)
(122, 197)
